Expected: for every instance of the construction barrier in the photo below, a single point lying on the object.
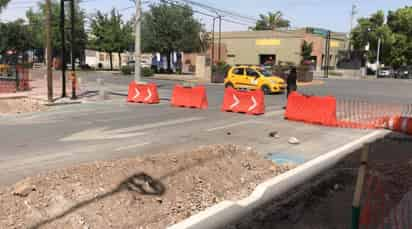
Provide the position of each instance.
(311, 109)
(249, 102)
(143, 93)
(374, 208)
(400, 124)
(190, 97)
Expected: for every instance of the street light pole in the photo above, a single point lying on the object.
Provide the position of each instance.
(137, 51)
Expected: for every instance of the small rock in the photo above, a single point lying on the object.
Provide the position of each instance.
(159, 200)
(274, 134)
(336, 187)
(23, 189)
(174, 160)
(294, 141)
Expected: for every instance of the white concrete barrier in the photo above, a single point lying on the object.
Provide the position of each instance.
(227, 212)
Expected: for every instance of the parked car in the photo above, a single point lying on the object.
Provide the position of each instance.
(386, 72)
(143, 64)
(254, 78)
(404, 72)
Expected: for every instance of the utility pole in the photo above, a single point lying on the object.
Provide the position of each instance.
(49, 52)
(63, 48)
(378, 57)
(220, 38)
(352, 17)
(137, 48)
(327, 54)
(213, 41)
(72, 50)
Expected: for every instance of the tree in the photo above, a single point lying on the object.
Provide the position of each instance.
(126, 40)
(396, 36)
(36, 19)
(110, 34)
(170, 28)
(271, 21)
(3, 3)
(16, 37)
(400, 24)
(368, 32)
(306, 51)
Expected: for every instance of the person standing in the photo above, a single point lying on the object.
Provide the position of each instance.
(291, 81)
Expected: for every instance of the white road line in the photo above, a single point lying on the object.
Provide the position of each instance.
(232, 125)
(159, 124)
(132, 146)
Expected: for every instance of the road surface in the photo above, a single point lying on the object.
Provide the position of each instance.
(72, 134)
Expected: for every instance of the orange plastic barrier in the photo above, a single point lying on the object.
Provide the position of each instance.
(249, 102)
(191, 97)
(311, 109)
(400, 124)
(143, 93)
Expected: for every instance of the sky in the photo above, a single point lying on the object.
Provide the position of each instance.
(328, 14)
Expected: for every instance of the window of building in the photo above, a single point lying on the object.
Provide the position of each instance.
(101, 57)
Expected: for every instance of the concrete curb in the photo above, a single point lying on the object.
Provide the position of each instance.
(226, 212)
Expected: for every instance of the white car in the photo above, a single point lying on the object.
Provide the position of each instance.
(385, 72)
(143, 64)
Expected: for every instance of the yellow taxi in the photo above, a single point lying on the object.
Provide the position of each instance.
(4, 68)
(254, 78)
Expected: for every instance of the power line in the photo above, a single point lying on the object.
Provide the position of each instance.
(219, 11)
(171, 2)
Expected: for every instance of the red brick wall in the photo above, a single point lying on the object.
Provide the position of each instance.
(318, 47)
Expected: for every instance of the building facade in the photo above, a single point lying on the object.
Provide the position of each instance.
(258, 47)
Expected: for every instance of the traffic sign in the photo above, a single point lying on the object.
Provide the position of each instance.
(318, 31)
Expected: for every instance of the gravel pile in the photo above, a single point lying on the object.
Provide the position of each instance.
(142, 192)
(21, 105)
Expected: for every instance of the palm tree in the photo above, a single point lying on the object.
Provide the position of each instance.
(3, 4)
(272, 21)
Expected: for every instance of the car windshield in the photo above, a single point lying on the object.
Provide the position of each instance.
(265, 72)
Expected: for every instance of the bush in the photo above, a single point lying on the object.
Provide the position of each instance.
(126, 70)
(219, 72)
(147, 72)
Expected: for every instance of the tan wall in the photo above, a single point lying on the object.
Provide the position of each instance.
(246, 51)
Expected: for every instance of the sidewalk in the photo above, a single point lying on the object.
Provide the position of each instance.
(183, 78)
(38, 86)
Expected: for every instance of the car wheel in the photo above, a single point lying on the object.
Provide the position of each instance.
(265, 89)
(229, 85)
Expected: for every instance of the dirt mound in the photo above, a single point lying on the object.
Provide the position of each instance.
(143, 192)
(20, 105)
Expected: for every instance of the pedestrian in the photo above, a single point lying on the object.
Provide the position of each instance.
(291, 81)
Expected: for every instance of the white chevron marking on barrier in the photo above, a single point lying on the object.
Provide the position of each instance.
(251, 108)
(137, 93)
(237, 102)
(149, 96)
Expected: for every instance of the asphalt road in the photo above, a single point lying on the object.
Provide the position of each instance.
(68, 135)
